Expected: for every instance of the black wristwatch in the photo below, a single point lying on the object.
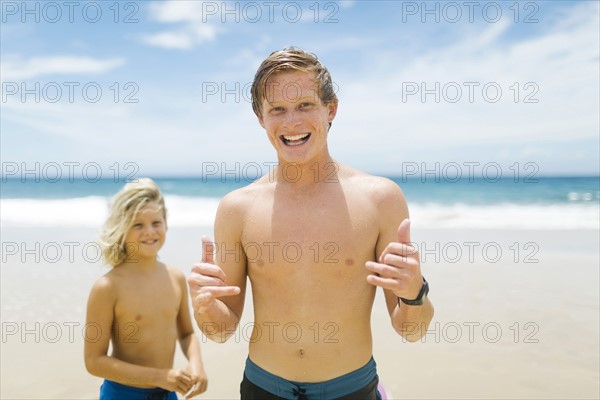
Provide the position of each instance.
(419, 300)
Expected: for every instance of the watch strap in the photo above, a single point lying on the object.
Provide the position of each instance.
(419, 300)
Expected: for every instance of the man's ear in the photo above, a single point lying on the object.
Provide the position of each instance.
(261, 122)
(332, 109)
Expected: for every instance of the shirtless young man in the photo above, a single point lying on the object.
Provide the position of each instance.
(316, 238)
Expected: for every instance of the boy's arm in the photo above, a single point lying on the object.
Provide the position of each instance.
(397, 268)
(218, 284)
(98, 329)
(188, 341)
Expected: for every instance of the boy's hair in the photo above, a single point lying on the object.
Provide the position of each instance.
(286, 60)
(124, 207)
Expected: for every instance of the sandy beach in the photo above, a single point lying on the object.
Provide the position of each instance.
(484, 114)
(517, 316)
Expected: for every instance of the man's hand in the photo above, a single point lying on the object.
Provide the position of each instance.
(207, 280)
(399, 267)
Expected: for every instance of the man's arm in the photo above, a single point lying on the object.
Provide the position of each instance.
(218, 285)
(410, 321)
(398, 267)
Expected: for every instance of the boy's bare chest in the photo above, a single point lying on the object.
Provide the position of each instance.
(144, 301)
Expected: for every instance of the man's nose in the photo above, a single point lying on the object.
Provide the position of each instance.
(292, 119)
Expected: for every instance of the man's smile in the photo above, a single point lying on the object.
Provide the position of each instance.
(295, 140)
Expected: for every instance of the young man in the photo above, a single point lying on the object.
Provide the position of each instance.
(315, 238)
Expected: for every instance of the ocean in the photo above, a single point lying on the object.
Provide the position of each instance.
(434, 201)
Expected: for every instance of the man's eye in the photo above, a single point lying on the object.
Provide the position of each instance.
(305, 105)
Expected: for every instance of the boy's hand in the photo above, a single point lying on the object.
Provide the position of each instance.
(207, 280)
(200, 380)
(176, 380)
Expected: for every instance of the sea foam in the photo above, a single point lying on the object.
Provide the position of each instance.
(200, 211)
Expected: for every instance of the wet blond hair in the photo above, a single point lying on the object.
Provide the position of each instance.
(125, 205)
(286, 60)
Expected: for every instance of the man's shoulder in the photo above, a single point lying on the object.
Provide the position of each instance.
(373, 185)
(240, 197)
(234, 205)
(380, 192)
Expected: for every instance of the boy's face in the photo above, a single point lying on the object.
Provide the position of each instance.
(147, 233)
(294, 117)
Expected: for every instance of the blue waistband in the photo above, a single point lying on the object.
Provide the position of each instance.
(112, 390)
(333, 388)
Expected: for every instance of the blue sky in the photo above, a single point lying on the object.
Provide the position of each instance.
(163, 84)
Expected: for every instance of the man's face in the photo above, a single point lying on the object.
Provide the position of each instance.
(294, 117)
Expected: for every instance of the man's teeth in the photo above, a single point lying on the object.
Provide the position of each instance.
(296, 137)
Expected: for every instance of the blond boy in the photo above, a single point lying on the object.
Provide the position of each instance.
(141, 306)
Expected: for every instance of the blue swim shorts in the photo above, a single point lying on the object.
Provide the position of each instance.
(260, 384)
(115, 391)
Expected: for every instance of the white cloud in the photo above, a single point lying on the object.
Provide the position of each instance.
(179, 136)
(182, 39)
(561, 62)
(191, 17)
(180, 11)
(170, 40)
(347, 3)
(15, 68)
(375, 129)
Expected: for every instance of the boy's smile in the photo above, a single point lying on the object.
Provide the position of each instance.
(147, 233)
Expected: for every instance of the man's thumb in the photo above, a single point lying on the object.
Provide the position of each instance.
(207, 250)
(404, 231)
